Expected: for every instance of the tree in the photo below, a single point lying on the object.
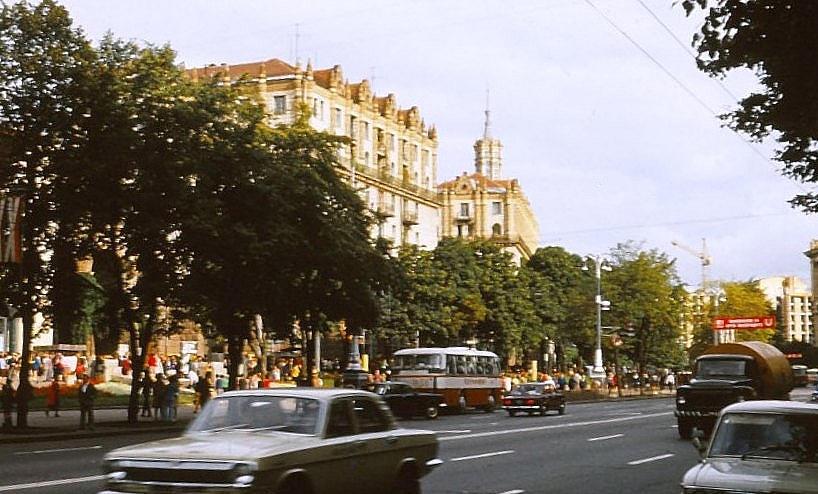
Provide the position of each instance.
(646, 296)
(746, 299)
(44, 73)
(777, 40)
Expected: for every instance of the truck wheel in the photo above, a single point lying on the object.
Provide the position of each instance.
(685, 429)
(491, 405)
(431, 412)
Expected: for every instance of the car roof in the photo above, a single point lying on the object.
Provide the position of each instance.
(314, 393)
(772, 406)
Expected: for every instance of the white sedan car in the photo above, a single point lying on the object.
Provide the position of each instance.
(293, 441)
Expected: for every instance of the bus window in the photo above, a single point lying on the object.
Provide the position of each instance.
(461, 364)
(451, 364)
(482, 365)
(472, 365)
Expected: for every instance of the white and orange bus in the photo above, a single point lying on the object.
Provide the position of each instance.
(464, 376)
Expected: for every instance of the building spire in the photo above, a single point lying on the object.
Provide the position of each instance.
(487, 125)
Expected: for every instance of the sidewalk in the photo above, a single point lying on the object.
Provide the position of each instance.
(107, 422)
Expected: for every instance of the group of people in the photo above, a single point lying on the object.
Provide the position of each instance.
(159, 396)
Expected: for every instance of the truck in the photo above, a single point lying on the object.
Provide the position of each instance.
(728, 373)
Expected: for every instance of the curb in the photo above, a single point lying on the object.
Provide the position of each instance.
(105, 432)
(624, 398)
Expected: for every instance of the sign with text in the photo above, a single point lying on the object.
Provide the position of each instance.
(760, 322)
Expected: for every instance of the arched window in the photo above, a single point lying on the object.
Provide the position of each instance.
(496, 229)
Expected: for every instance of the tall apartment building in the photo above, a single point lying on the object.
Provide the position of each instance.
(793, 300)
(392, 157)
(482, 205)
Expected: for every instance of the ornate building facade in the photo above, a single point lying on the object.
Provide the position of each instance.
(392, 156)
(483, 205)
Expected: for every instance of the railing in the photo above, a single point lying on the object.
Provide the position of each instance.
(410, 217)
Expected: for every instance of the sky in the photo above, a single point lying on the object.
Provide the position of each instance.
(605, 120)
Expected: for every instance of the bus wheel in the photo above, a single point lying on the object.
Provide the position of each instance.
(491, 404)
(461, 402)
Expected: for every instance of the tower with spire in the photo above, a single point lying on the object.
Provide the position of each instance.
(488, 158)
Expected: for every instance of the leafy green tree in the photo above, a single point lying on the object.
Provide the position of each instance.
(775, 39)
(645, 294)
(44, 66)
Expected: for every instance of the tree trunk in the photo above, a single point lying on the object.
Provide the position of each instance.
(24, 391)
(234, 348)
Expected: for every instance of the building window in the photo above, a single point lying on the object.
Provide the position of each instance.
(394, 232)
(339, 118)
(496, 229)
(496, 208)
(460, 231)
(464, 209)
(366, 131)
(366, 158)
(280, 104)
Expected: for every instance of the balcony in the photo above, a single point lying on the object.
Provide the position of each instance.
(410, 217)
(464, 217)
(385, 210)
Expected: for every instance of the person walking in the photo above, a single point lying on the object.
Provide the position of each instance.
(171, 396)
(147, 390)
(87, 395)
(52, 398)
(7, 400)
(159, 391)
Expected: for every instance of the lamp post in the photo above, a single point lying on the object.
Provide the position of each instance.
(599, 265)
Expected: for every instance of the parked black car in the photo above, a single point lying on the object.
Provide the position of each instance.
(531, 398)
(405, 402)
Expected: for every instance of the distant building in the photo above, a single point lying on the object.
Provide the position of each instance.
(793, 300)
(483, 205)
(392, 157)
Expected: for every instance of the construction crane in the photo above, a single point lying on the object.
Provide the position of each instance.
(703, 256)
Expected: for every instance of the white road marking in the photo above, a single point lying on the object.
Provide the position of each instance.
(515, 491)
(484, 455)
(603, 438)
(48, 483)
(463, 431)
(555, 426)
(56, 450)
(652, 458)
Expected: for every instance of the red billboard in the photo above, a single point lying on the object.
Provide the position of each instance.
(758, 322)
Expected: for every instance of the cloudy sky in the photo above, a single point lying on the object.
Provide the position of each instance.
(604, 117)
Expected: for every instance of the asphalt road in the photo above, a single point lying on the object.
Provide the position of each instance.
(609, 447)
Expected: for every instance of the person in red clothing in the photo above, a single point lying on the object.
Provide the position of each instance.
(126, 365)
(52, 398)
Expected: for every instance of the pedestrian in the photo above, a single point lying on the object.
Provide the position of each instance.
(171, 397)
(87, 395)
(7, 400)
(53, 398)
(159, 391)
(670, 381)
(147, 390)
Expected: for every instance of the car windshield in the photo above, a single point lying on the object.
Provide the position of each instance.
(529, 389)
(721, 368)
(765, 435)
(259, 413)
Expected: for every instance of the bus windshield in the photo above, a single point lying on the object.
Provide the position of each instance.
(425, 362)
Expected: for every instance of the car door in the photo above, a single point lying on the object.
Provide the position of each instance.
(382, 453)
(339, 468)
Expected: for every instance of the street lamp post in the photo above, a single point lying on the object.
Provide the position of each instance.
(599, 266)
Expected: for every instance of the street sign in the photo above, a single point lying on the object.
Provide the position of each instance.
(732, 323)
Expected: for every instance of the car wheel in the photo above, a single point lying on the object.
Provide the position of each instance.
(685, 429)
(461, 402)
(295, 485)
(512, 413)
(491, 404)
(543, 410)
(561, 410)
(407, 481)
(431, 412)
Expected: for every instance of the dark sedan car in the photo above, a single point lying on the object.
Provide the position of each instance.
(405, 402)
(533, 398)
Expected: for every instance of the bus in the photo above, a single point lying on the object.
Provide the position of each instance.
(464, 376)
(799, 372)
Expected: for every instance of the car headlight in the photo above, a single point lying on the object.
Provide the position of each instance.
(243, 474)
(681, 400)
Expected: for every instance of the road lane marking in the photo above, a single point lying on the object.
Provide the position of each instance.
(56, 450)
(48, 483)
(484, 455)
(652, 458)
(555, 426)
(514, 491)
(463, 431)
(604, 438)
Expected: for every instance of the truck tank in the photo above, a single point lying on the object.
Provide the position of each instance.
(774, 369)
